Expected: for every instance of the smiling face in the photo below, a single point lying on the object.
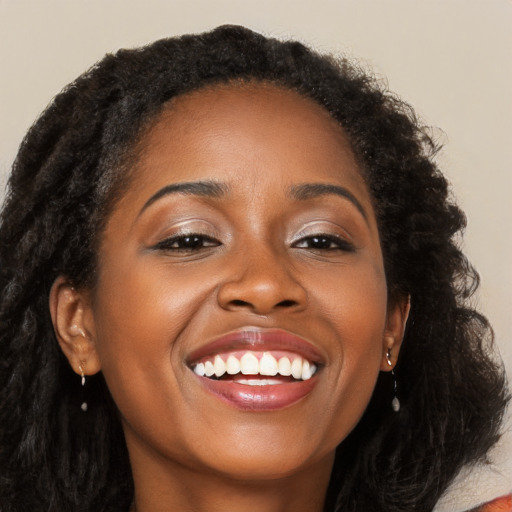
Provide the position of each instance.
(245, 250)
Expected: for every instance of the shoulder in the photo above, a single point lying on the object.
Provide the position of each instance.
(484, 487)
(502, 504)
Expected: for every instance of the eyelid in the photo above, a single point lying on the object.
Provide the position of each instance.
(322, 228)
(186, 227)
(183, 228)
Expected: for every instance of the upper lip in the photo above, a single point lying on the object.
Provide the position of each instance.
(257, 339)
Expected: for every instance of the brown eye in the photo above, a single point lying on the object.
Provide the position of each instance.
(323, 242)
(187, 243)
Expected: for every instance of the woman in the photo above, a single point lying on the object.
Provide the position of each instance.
(230, 282)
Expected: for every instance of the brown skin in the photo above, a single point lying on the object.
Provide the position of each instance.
(152, 307)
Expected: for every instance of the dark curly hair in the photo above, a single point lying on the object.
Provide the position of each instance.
(72, 167)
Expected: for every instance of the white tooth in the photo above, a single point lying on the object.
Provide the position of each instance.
(297, 368)
(220, 366)
(209, 370)
(199, 369)
(249, 364)
(306, 371)
(232, 365)
(312, 368)
(258, 382)
(268, 364)
(285, 367)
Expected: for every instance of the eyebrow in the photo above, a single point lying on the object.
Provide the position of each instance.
(314, 190)
(215, 189)
(194, 188)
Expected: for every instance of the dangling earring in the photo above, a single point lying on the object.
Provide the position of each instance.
(84, 403)
(395, 403)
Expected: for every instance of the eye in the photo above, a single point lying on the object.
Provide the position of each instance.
(190, 242)
(324, 242)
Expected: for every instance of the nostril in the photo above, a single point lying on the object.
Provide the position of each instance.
(286, 303)
(238, 302)
(283, 304)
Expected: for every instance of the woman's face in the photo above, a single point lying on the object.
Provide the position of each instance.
(246, 238)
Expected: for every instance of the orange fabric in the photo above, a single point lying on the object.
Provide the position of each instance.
(503, 504)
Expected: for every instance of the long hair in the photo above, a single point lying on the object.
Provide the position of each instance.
(72, 167)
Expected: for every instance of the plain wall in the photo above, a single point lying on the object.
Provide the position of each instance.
(452, 60)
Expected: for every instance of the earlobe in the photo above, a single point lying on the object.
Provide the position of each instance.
(394, 332)
(72, 322)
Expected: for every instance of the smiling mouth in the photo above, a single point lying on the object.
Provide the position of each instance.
(256, 369)
(253, 368)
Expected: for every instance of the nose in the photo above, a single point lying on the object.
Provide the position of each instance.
(261, 282)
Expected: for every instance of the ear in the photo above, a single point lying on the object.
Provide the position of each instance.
(398, 312)
(74, 327)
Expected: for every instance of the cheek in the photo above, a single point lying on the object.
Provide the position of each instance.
(354, 300)
(354, 304)
(138, 317)
(146, 315)
(145, 302)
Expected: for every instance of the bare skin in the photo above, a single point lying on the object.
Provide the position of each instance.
(189, 491)
(254, 244)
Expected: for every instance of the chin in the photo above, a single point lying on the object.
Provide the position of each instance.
(267, 458)
(263, 468)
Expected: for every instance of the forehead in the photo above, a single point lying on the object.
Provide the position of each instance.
(248, 134)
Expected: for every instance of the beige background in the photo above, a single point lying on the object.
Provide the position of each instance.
(452, 59)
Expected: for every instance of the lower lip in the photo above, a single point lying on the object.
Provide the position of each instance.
(259, 398)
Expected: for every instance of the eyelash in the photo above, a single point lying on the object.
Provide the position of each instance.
(193, 242)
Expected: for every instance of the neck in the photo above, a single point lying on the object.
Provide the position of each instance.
(162, 486)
